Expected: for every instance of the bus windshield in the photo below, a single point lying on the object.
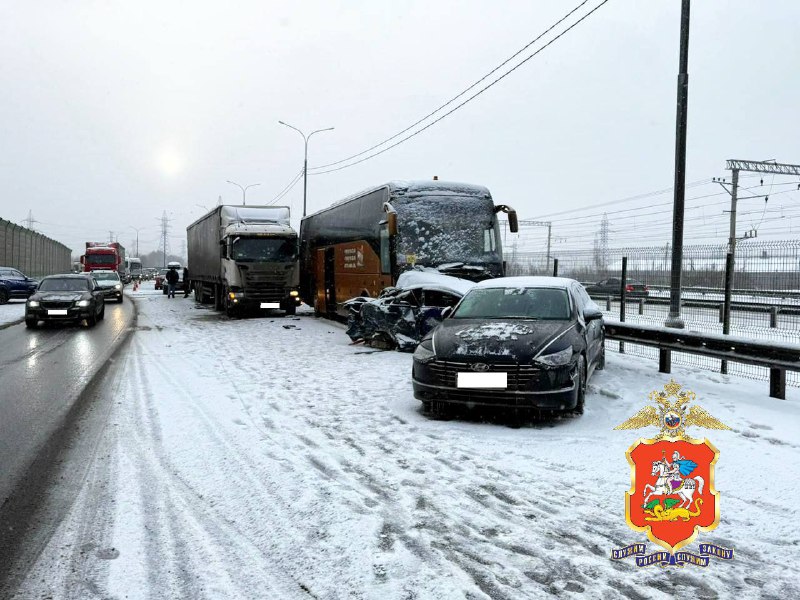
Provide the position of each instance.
(262, 249)
(436, 230)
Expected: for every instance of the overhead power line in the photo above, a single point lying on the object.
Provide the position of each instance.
(461, 104)
(461, 93)
(288, 188)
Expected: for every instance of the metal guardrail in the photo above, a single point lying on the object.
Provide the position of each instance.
(777, 357)
(784, 309)
(794, 294)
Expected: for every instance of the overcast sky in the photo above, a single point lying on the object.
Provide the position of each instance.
(113, 112)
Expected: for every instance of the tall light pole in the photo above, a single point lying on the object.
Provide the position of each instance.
(674, 318)
(136, 229)
(244, 190)
(305, 157)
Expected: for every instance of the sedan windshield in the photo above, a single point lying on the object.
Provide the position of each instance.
(106, 276)
(514, 303)
(64, 285)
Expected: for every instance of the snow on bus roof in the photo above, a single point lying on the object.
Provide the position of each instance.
(417, 188)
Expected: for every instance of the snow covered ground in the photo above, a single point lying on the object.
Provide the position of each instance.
(12, 312)
(269, 458)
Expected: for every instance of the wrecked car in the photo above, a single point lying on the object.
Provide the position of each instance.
(402, 315)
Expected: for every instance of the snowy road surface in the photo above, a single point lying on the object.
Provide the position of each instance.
(12, 312)
(268, 458)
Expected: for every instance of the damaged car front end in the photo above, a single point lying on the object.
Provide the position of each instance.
(405, 313)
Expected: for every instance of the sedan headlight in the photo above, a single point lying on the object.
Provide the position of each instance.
(425, 351)
(33, 303)
(117, 286)
(83, 303)
(556, 359)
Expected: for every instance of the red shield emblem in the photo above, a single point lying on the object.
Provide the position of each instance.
(672, 496)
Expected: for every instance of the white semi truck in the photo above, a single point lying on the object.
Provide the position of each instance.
(244, 259)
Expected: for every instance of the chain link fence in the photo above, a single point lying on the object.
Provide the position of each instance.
(765, 301)
(31, 252)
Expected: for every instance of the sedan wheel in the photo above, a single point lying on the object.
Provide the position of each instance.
(581, 383)
(3, 296)
(31, 323)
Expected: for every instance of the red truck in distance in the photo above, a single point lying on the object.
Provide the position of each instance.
(104, 255)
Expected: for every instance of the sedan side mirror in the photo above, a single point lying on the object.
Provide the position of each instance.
(592, 314)
(447, 311)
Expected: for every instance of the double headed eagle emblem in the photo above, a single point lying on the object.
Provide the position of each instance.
(671, 414)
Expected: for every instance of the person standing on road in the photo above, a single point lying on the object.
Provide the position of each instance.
(172, 278)
(186, 283)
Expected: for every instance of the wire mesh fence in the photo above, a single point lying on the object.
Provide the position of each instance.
(31, 252)
(765, 300)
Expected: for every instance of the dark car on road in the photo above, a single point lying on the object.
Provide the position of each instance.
(514, 342)
(66, 298)
(13, 284)
(110, 282)
(612, 287)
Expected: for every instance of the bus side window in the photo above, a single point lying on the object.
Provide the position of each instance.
(489, 243)
(386, 261)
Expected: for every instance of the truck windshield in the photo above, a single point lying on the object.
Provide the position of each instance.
(437, 230)
(101, 259)
(263, 249)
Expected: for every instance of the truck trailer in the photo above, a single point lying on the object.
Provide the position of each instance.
(244, 259)
(102, 256)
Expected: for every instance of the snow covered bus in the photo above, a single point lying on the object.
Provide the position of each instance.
(360, 245)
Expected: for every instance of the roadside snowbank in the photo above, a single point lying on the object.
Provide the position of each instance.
(12, 312)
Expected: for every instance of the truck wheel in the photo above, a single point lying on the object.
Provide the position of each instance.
(291, 310)
(230, 309)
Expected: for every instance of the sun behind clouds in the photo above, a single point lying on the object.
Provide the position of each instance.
(170, 160)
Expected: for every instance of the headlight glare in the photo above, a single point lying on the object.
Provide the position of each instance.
(33, 303)
(556, 359)
(118, 286)
(83, 303)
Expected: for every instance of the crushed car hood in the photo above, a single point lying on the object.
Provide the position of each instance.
(516, 339)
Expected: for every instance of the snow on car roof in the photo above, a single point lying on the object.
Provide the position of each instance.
(431, 279)
(523, 282)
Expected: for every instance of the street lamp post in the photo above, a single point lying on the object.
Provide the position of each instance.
(244, 190)
(305, 157)
(136, 229)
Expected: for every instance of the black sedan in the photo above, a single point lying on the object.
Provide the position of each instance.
(515, 342)
(66, 298)
(613, 286)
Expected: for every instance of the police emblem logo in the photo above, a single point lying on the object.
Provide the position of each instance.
(672, 497)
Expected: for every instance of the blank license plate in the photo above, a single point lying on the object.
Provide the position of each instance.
(482, 380)
(57, 312)
(270, 305)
